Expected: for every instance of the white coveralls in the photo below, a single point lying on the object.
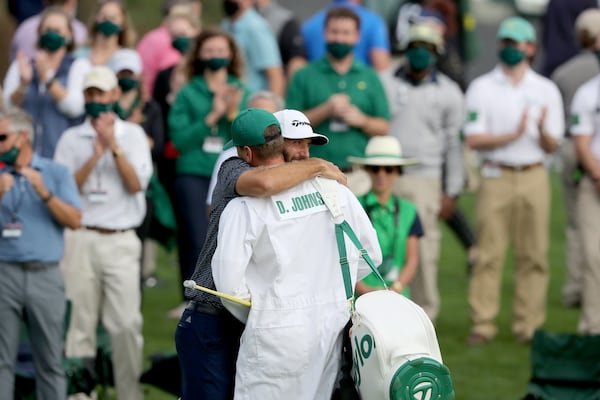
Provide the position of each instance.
(281, 252)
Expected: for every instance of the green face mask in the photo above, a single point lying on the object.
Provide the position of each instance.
(181, 44)
(339, 50)
(420, 58)
(10, 156)
(95, 109)
(108, 28)
(51, 41)
(511, 56)
(127, 84)
(215, 64)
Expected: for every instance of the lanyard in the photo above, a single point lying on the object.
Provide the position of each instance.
(17, 200)
(98, 170)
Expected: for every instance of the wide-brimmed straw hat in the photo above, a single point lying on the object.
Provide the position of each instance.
(383, 150)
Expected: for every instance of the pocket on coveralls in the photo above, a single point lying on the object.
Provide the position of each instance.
(280, 351)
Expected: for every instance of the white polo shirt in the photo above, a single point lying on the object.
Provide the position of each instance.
(495, 106)
(585, 113)
(106, 202)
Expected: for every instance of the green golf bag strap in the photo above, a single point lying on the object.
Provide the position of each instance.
(340, 229)
(341, 244)
(329, 191)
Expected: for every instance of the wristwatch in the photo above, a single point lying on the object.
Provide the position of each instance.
(50, 82)
(117, 152)
(48, 197)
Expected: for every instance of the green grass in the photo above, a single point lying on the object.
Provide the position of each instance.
(498, 371)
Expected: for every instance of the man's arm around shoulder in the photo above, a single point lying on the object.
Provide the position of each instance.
(267, 181)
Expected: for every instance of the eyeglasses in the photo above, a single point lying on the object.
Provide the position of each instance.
(4, 136)
(376, 168)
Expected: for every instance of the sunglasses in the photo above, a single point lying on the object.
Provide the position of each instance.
(376, 168)
(4, 136)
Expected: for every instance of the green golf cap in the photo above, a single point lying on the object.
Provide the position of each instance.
(517, 29)
(249, 126)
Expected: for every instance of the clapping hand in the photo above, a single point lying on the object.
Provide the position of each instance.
(25, 69)
(6, 182)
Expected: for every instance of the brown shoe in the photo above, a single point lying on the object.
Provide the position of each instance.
(476, 339)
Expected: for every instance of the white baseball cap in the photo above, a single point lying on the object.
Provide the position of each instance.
(126, 59)
(295, 125)
(100, 77)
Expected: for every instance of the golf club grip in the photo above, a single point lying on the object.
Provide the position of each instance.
(223, 295)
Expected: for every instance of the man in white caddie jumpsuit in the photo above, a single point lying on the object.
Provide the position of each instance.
(281, 252)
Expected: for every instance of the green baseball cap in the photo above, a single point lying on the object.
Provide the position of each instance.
(517, 29)
(248, 128)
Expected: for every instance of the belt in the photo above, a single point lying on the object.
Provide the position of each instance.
(205, 308)
(103, 231)
(518, 168)
(32, 265)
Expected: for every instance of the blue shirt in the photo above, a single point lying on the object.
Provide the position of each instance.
(41, 237)
(373, 33)
(258, 45)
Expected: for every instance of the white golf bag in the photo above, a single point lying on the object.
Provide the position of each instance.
(395, 352)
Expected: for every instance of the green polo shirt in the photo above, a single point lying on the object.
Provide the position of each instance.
(384, 222)
(315, 83)
(188, 130)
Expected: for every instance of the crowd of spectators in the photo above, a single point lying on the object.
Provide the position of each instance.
(96, 122)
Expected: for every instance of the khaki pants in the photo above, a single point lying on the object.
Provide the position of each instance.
(102, 279)
(572, 289)
(426, 193)
(514, 206)
(588, 215)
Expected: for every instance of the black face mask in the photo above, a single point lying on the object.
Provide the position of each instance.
(230, 7)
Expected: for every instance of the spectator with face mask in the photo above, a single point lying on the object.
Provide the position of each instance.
(111, 162)
(25, 37)
(427, 116)
(49, 85)
(159, 48)
(38, 199)
(373, 45)
(110, 29)
(199, 123)
(183, 29)
(343, 98)
(514, 118)
(133, 107)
